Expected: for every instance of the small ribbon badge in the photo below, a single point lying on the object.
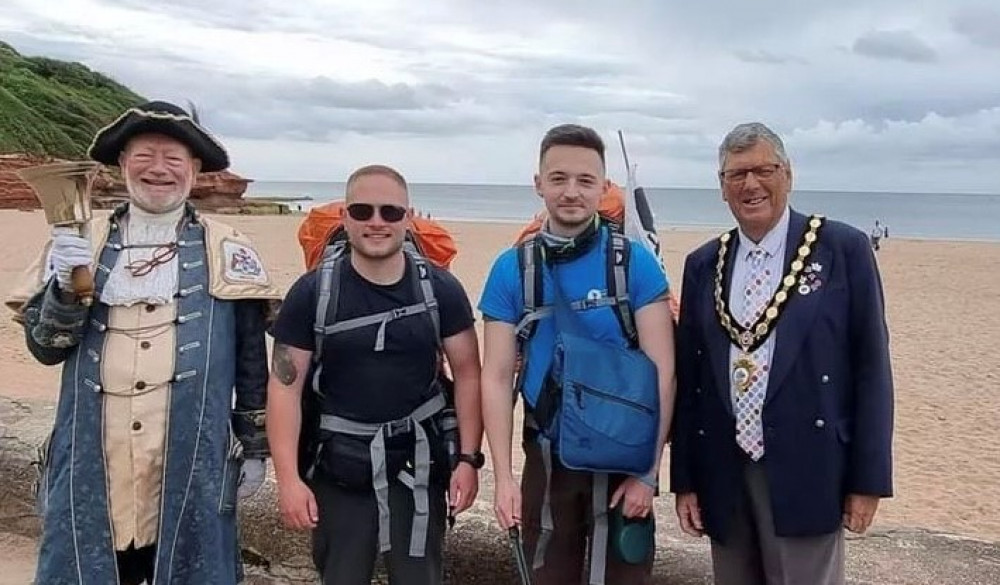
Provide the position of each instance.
(811, 278)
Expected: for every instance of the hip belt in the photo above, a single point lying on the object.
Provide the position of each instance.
(380, 480)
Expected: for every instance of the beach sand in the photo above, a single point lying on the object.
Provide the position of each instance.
(942, 302)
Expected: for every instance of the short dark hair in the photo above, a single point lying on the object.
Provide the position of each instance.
(572, 135)
(376, 170)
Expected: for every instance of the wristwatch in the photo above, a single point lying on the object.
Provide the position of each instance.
(476, 459)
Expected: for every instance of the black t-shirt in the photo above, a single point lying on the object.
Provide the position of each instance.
(359, 383)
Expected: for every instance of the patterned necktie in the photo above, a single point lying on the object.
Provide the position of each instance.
(749, 428)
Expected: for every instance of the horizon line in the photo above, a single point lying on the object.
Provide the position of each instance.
(528, 185)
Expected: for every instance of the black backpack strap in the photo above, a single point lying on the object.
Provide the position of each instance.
(424, 288)
(618, 257)
(327, 300)
(530, 262)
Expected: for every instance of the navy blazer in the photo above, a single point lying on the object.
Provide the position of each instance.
(828, 414)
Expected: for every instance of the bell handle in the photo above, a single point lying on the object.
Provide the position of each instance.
(83, 285)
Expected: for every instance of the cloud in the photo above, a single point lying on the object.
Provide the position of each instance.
(364, 95)
(767, 57)
(462, 91)
(979, 24)
(240, 15)
(901, 45)
(935, 153)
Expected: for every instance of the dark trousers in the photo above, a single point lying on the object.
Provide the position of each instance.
(136, 565)
(754, 555)
(572, 514)
(345, 541)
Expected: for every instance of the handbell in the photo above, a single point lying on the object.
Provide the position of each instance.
(64, 190)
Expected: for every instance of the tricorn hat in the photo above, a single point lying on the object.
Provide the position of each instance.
(161, 118)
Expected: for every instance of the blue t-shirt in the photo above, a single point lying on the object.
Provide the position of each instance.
(582, 278)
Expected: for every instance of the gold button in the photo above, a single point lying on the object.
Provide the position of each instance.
(145, 345)
(136, 426)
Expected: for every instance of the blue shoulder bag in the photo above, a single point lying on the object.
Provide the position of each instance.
(609, 412)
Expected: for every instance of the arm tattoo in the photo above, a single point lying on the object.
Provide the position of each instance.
(283, 366)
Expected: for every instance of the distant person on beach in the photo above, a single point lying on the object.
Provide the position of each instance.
(382, 475)
(559, 509)
(783, 432)
(879, 231)
(148, 454)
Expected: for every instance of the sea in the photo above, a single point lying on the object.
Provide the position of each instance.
(945, 216)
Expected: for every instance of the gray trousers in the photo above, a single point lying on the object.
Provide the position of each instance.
(754, 555)
(345, 541)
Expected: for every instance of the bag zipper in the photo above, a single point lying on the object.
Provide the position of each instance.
(581, 388)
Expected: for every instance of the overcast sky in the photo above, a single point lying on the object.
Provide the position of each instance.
(899, 95)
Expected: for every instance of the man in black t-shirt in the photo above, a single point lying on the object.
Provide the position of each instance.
(377, 397)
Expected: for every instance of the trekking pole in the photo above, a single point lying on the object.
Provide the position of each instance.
(519, 559)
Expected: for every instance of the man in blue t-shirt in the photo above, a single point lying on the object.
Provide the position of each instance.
(570, 180)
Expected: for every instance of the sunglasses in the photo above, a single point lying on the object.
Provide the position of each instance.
(366, 211)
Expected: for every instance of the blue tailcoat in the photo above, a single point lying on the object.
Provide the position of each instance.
(197, 535)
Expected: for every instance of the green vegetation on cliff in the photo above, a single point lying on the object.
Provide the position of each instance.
(50, 107)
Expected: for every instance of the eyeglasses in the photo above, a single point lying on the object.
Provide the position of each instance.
(366, 211)
(762, 172)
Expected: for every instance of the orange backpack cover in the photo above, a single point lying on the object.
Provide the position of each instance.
(431, 238)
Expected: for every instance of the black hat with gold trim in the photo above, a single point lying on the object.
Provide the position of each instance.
(160, 118)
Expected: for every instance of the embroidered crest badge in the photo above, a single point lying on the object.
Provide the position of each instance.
(242, 264)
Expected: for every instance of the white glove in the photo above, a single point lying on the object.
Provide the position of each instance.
(251, 477)
(69, 250)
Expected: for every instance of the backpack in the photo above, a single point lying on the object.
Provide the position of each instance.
(364, 452)
(326, 221)
(531, 266)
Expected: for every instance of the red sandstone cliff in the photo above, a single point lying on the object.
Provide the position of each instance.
(15, 193)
